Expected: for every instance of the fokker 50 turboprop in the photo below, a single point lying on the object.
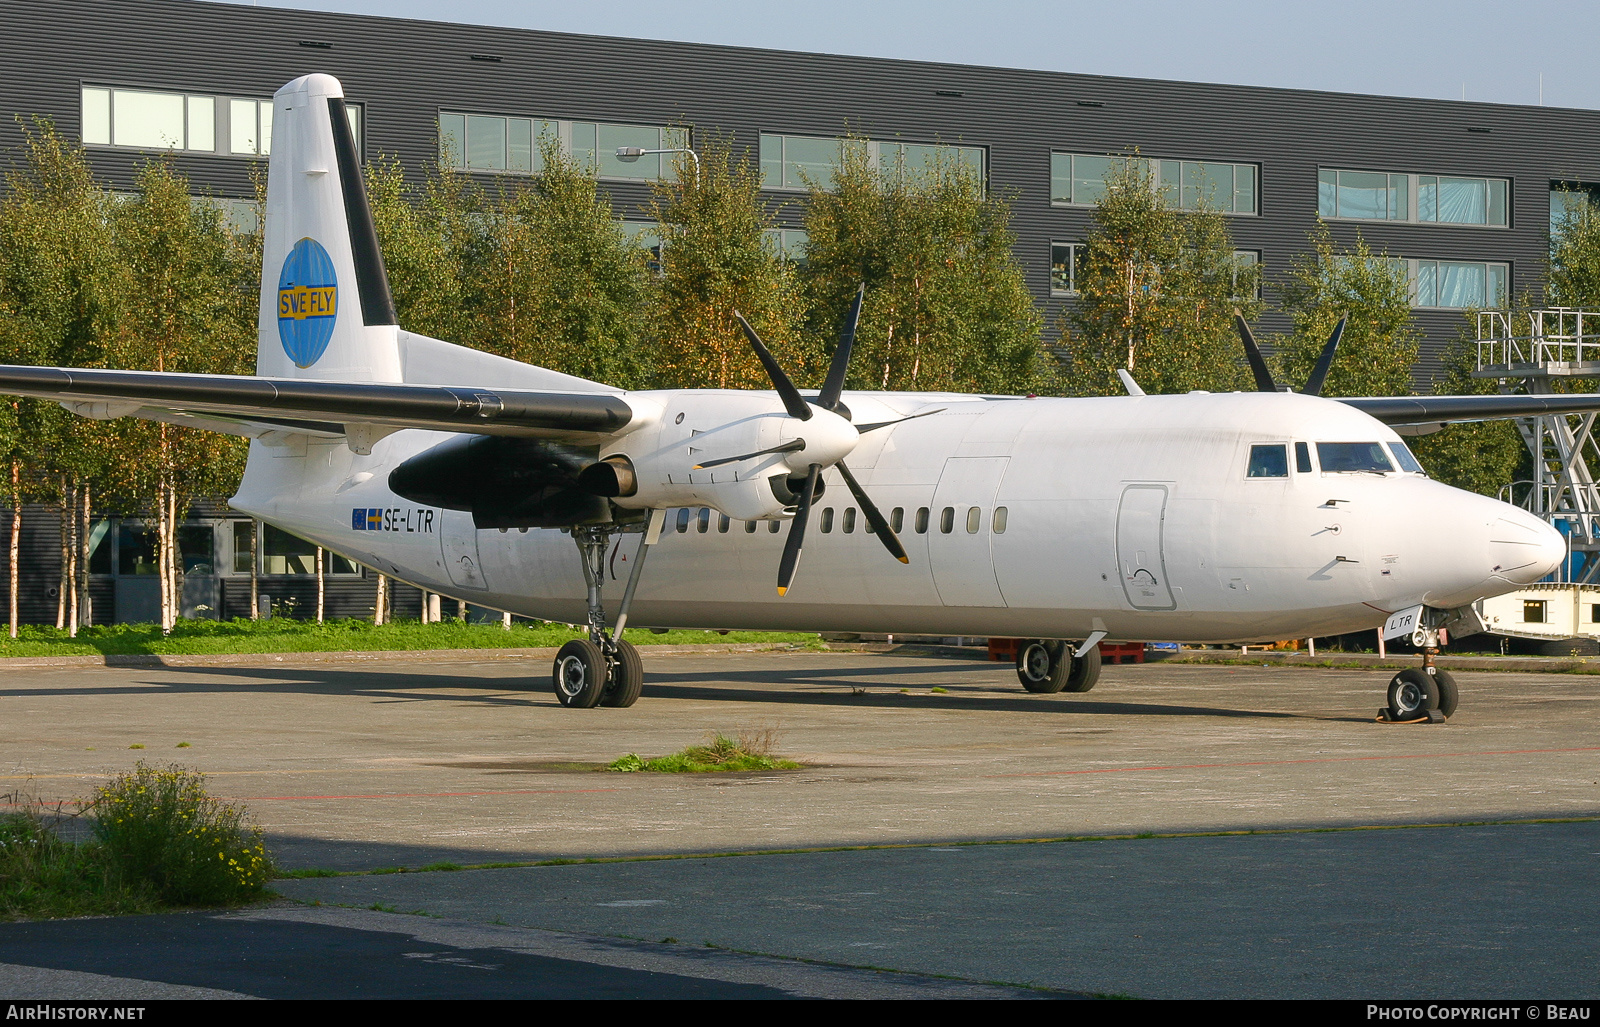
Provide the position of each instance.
(1200, 518)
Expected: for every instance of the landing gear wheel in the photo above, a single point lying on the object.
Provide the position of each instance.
(1042, 666)
(1085, 669)
(1412, 694)
(1448, 695)
(627, 677)
(579, 674)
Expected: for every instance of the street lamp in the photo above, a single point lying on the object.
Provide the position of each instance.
(629, 154)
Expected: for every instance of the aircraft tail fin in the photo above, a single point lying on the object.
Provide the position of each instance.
(326, 310)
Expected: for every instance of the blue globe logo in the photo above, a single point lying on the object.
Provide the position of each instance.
(308, 302)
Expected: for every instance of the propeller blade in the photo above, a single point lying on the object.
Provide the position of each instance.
(828, 398)
(875, 522)
(797, 531)
(862, 429)
(792, 401)
(1252, 352)
(1325, 361)
(787, 447)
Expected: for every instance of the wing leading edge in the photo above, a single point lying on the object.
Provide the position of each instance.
(321, 407)
(1421, 410)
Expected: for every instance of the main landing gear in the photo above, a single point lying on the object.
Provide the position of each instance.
(603, 669)
(1046, 666)
(1425, 696)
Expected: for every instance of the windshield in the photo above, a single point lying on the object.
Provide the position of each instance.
(1404, 457)
(1353, 456)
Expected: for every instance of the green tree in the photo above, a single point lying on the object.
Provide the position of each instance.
(557, 283)
(1157, 291)
(1574, 273)
(1373, 292)
(947, 307)
(428, 237)
(716, 260)
(1481, 456)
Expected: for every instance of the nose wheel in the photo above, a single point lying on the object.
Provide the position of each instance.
(1425, 695)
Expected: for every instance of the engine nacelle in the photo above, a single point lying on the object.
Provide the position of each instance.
(660, 462)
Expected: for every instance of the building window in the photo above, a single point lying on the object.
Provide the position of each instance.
(1533, 611)
(799, 162)
(1418, 199)
(1064, 268)
(283, 553)
(1246, 267)
(1568, 199)
(504, 144)
(789, 244)
(146, 119)
(1458, 284)
(1079, 180)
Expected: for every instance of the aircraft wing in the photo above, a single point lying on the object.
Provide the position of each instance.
(245, 405)
(1418, 410)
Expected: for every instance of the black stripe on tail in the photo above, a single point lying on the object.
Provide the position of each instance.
(372, 281)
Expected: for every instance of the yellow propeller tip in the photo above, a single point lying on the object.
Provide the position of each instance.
(781, 590)
(905, 559)
(697, 467)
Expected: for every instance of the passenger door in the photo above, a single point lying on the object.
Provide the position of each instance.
(962, 562)
(1141, 523)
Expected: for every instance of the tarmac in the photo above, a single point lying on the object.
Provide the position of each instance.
(1305, 850)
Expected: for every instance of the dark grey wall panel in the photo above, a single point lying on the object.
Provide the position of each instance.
(404, 71)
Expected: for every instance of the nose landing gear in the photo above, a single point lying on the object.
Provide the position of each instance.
(1425, 696)
(603, 669)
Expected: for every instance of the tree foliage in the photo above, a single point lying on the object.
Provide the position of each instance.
(1157, 291)
(1373, 292)
(947, 307)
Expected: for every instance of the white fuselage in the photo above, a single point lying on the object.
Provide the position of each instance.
(1129, 515)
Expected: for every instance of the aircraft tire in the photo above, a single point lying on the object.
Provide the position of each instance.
(579, 674)
(1085, 669)
(627, 677)
(1042, 666)
(1412, 694)
(1448, 694)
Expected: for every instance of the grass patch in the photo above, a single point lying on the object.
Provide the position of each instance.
(157, 841)
(280, 635)
(751, 750)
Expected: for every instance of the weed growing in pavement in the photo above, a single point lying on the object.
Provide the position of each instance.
(751, 750)
(42, 875)
(161, 827)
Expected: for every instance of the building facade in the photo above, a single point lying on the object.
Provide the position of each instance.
(1463, 193)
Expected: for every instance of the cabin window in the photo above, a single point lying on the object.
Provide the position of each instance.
(897, 519)
(722, 524)
(849, 519)
(1269, 461)
(1533, 611)
(947, 520)
(999, 521)
(1404, 457)
(922, 520)
(827, 520)
(1302, 457)
(705, 519)
(974, 519)
(1352, 456)
(749, 527)
(683, 519)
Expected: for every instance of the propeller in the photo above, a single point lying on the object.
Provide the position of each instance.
(1258, 363)
(797, 406)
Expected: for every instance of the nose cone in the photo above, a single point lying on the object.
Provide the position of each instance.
(1523, 549)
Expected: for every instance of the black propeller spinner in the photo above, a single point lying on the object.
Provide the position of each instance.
(797, 406)
(1258, 364)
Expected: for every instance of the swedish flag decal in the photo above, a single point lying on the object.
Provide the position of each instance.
(308, 302)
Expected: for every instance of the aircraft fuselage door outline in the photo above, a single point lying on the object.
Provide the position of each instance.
(458, 544)
(961, 560)
(1141, 559)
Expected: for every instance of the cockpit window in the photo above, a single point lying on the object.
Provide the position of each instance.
(1302, 457)
(1269, 461)
(1403, 456)
(1353, 456)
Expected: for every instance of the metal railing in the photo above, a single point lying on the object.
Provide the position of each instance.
(1555, 335)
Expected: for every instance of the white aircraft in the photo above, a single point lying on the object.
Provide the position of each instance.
(1202, 518)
